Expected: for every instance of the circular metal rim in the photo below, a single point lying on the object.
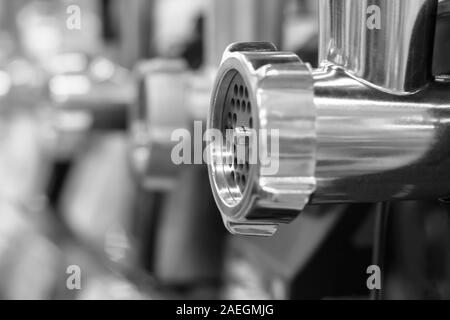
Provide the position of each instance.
(231, 206)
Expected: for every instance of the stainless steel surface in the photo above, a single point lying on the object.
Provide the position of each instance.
(348, 131)
(373, 146)
(396, 57)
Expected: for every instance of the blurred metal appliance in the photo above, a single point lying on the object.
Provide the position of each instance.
(171, 96)
(187, 243)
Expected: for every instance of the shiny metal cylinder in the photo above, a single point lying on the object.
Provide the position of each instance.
(386, 43)
(373, 146)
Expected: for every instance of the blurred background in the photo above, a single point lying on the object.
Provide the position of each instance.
(89, 93)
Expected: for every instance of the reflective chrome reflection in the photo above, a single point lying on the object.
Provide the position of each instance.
(395, 55)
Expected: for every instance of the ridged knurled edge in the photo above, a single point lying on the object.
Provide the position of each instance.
(281, 89)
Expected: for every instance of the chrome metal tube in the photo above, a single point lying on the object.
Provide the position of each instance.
(388, 44)
(373, 146)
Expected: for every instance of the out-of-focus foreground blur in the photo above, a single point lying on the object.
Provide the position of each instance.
(91, 204)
